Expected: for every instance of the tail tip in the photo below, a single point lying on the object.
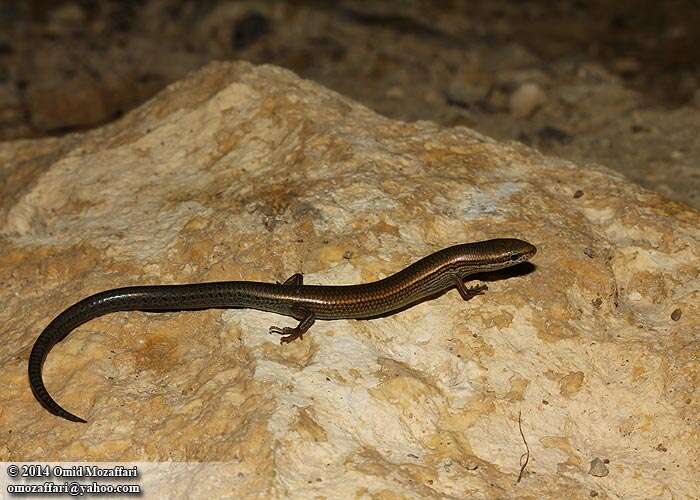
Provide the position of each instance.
(73, 418)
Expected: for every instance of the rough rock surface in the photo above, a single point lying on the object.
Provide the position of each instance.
(243, 172)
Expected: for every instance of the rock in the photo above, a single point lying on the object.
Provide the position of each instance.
(526, 99)
(244, 172)
(627, 66)
(598, 468)
(462, 92)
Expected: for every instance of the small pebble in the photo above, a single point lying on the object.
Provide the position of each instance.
(589, 252)
(578, 193)
(627, 66)
(526, 99)
(677, 155)
(461, 93)
(676, 314)
(395, 92)
(598, 468)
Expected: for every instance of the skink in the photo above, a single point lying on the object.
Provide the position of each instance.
(427, 278)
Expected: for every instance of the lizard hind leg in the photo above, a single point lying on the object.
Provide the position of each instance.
(289, 334)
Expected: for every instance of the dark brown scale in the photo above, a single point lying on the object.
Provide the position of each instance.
(423, 279)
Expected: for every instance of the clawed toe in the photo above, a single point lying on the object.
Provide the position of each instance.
(287, 334)
(290, 336)
(276, 330)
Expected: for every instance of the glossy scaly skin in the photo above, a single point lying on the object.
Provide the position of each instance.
(423, 279)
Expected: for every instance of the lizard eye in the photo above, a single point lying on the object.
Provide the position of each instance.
(514, 257)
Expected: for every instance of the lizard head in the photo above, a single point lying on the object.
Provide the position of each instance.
(491, 255)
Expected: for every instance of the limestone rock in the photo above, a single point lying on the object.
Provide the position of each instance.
(243, 172)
